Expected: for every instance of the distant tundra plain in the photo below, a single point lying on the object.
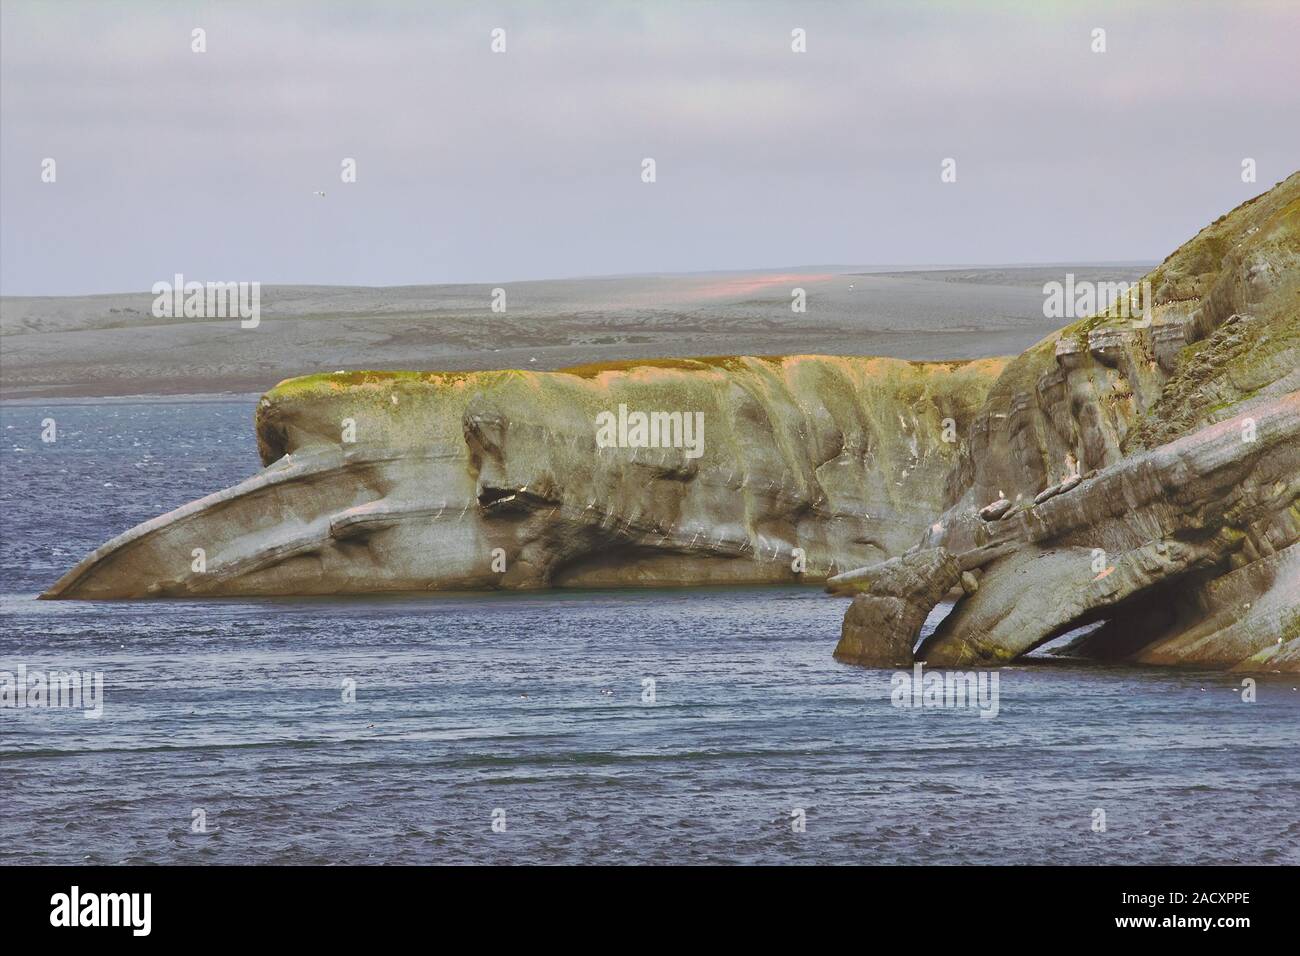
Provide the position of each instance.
(116, 344)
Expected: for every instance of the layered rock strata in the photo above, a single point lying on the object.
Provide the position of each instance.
(767, 470)
(1140, 470)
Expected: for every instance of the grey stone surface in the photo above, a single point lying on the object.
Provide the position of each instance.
(496, 480)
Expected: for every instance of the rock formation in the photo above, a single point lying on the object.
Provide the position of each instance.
(395, 481)
(1141, 470)
(881, 632)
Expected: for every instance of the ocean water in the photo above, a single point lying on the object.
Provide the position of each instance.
(532, 711)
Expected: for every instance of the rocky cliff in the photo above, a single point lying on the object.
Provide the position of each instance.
(742, 471)
(1140, 467)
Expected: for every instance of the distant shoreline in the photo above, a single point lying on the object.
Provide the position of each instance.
(146, 398)
(846, 269)
(112, 346)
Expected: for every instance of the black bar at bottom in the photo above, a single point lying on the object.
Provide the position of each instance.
(367, 905)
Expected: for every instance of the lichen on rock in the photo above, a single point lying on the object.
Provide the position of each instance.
(377, 481)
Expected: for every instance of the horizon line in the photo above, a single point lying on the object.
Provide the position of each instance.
(873, 267)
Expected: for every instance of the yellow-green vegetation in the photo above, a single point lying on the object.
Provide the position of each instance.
(593, 369)
(330, 382)
(1193, 269)
(1216, 374)
(1245, 263)
(327, 382)
(1112, 383)
(1250, 300)
(404, 409)
(1266, 227)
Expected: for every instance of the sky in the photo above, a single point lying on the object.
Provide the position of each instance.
(482, 166)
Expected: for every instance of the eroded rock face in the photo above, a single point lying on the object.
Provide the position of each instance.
(1206, 621)
(1191, 508)
(804, 466)
(1138, 471)
(1152, 470)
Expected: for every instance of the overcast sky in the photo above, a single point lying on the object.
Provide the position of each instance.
(483, 167)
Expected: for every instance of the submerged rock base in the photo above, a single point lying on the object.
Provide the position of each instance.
(882, 624)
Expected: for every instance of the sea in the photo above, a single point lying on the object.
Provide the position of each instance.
(687, 726)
